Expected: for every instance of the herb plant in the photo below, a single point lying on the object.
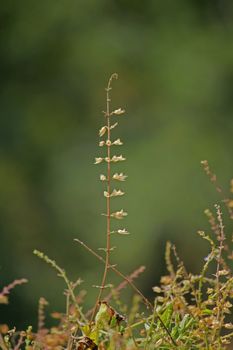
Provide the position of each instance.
(188, 311)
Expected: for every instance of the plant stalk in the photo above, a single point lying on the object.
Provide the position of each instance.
(108, 229)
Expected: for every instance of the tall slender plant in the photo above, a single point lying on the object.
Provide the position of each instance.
(108, 143)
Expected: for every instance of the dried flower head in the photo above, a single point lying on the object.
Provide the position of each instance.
(119, 177)
(123, 232)
(117, 142)
(103, 177)
(118, 111)
(119, 214)
(114, 193)
(103, 130)
(117, 158)
(98, 160)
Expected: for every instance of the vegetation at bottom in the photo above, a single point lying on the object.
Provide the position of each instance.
(188, 311)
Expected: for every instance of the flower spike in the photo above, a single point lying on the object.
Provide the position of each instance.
(109, 159)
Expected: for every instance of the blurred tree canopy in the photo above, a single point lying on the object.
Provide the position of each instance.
(175, 63)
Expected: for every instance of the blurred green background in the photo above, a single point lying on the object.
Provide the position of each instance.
(175, 66)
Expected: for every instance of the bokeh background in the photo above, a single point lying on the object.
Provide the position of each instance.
(175, 66)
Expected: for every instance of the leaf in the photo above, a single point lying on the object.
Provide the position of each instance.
(167, 315)
(185, 322)
(103, 316)
(207, 312)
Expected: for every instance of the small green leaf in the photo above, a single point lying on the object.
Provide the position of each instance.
(207, 312)
(167, 315)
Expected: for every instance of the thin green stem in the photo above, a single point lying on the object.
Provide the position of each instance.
(219, 257)
(108, 231)
(62, 274)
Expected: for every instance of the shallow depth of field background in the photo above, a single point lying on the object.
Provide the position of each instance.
(175, 66)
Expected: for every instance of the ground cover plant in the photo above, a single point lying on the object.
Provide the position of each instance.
(188, 311)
